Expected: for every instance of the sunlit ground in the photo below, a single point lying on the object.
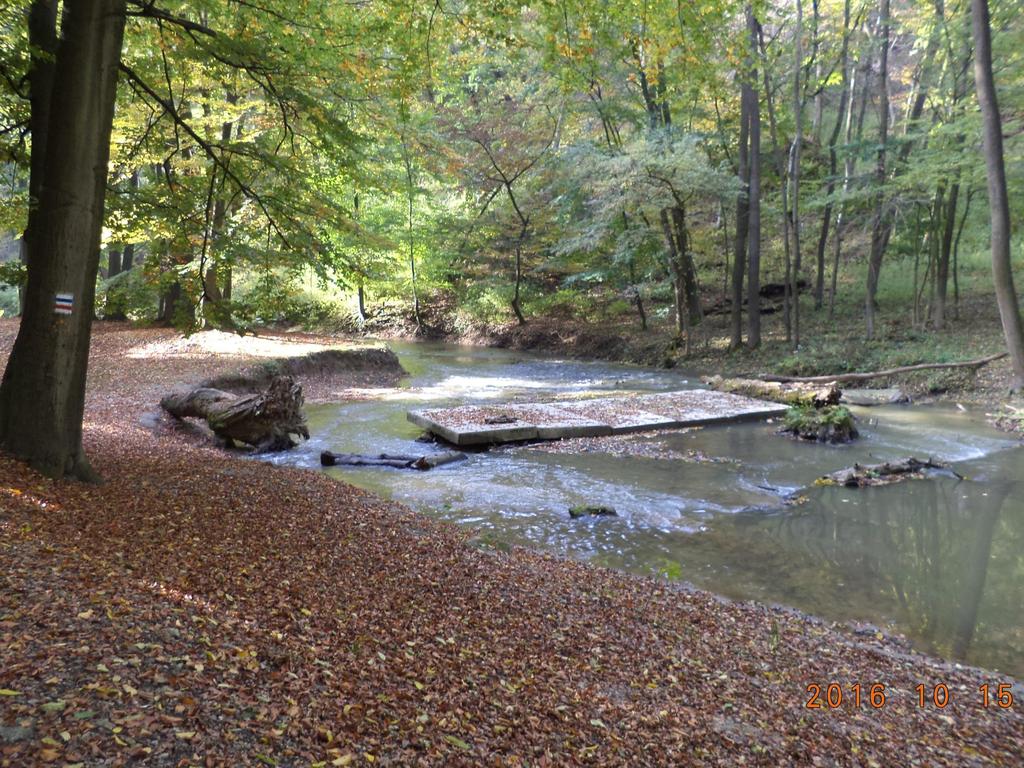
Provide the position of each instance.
(227, 344)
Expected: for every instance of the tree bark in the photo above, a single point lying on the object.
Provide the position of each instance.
(754, 233)
(742, 218)
(411, 191)
(849, 166)
(780, 170)
(42, 37)
(398, 461)
(42, 397)
(833, 158)
(687, 269)
(128, 257)
(678, 289)
(794, 172)
(878, 228)
(265, 421)
(998, 200)
(862, 475)
(848, 377)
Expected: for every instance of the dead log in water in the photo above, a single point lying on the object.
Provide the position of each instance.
(815, 395)
(398, 461)
(268, 421)
(861, 475)
(845, 378)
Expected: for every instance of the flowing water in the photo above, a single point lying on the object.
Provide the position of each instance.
(940, 560)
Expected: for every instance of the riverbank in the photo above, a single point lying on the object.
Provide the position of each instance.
(831, 346)
(201, 608)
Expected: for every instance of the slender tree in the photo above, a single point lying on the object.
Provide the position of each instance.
(794, 167)
(754, 225)
(742, 217)
(833, 159)
(998, 199)
(878, 228)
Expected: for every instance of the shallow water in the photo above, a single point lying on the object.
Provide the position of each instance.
(940, 560)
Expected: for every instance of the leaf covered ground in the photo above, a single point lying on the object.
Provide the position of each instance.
(208, 610)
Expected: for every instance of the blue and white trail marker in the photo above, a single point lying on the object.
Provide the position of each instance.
(64, 303)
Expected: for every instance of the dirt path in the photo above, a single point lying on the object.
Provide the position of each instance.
(199, 609)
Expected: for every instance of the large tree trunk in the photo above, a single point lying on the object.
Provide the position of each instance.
(998, 200)
(42, 397)
(754, 233)
(42, 37)
(879, 228)
(265, 421)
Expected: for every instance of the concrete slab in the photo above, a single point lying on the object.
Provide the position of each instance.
(621, 414)
(490, 424)
(475, 425)
(701, 407)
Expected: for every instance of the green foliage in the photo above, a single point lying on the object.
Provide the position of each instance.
(475, 143)
(127, 295)
(13, 274)
(279, 298)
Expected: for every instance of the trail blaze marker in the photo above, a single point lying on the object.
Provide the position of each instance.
(64, 303)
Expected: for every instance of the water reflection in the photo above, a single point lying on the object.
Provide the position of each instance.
(939, 560)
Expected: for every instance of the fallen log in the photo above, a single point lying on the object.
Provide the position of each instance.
(844, 378)
(268, 421)
(591, 510)
(861, 475)
(398, 461)
(779, 392)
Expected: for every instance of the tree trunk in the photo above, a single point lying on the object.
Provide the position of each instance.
(113, 263)
(849, 166)
(956, 252)
(411, 191)
(742, 218)
(361, 298)
(687, 269)
(42, 37)
(114, 267)
(128, 257)
(833, 158)
(794, 172)
(998, 200)
(216, 309)
(265, 421)
(878, 227)
(780, 170)
(945, 253)
(678, 287)
(42, 397)
(516, 308)
(754, 234)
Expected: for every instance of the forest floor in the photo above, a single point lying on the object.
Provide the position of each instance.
(200, 608)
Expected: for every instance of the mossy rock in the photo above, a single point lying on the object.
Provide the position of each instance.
(831, 424)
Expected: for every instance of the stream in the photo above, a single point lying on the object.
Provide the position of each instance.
(940, 560)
